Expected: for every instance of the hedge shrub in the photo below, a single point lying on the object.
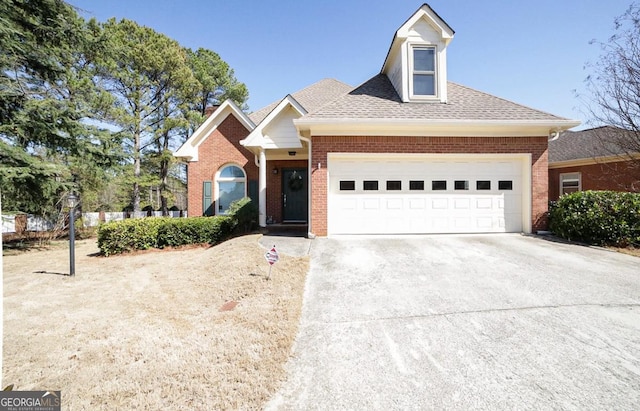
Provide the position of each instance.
(597, 217)
(157, 232)
(127, 235)
(194, 230)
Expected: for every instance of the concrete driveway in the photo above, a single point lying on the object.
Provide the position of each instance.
(466, 322)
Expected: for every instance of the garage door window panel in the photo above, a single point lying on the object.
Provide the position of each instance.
(416, 185)
(439, 185)
(461, 185)
(347, 185)
(483, 185)
(394, 185)
(370, 185)
(505, 185)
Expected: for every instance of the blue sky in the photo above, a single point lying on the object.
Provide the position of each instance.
(530, 52)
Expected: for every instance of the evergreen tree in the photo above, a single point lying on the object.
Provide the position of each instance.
(216, 82)
(47, 101)
(147, 74)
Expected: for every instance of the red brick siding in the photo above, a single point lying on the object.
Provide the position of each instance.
(616, 176)
(221, 147)
(322, 145)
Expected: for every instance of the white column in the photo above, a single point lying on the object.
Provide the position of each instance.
(309, 175)
(262, 190)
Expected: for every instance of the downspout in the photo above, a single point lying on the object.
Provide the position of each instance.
(309, 175)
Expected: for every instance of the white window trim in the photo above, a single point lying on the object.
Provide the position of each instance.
(566, 177)
(219, 180)
(411, 72)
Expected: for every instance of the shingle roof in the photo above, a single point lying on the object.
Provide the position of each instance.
(311, 98)
(378, 99)
(585, 144)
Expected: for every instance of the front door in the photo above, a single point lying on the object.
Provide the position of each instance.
(294, 195)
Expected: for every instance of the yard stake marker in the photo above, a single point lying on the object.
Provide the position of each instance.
(272, 257)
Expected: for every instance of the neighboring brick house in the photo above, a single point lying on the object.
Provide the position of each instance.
(593, 159)
(405, 152)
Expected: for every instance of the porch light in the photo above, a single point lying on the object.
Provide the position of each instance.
(292, 153)
(275, 170)
(72, 201)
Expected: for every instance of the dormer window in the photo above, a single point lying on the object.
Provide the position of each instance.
(416, 64)
(423, 76)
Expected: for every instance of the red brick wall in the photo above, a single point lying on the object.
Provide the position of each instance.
(221, 147)
(322, 145)
(616, 176)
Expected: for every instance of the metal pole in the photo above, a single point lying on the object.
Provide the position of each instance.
(72, 240)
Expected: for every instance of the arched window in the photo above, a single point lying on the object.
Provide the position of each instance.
(231, 183)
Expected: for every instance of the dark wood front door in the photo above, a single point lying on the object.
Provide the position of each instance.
(294, 195)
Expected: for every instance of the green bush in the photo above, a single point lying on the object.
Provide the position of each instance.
(157, 232)
(244, 214)
(128, 235)
(194, 230)
(597, 217)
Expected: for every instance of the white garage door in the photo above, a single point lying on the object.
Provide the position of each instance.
(406, 194)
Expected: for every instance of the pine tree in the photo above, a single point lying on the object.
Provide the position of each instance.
(47, 101)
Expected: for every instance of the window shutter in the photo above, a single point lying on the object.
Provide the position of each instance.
(207, 198)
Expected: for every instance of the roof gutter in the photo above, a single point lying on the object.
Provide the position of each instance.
(438, 127)
(615, 158)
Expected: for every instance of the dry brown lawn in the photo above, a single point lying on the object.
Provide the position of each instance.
(635, 251)
(146, 330)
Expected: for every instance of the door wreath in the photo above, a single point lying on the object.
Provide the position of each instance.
(295, 181)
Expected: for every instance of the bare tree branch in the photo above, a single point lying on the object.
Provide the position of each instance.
(613, 89)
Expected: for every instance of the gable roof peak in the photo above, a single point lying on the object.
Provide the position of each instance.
(189, 150)
(425, 12)
(310, 98)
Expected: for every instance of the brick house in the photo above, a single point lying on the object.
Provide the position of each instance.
(593, 159)
(404, 152)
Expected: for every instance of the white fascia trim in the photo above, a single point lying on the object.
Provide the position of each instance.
(256, 137)
(427, 156)
(393, 50)
(594, 160)
(189, 150)
(432, 128)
